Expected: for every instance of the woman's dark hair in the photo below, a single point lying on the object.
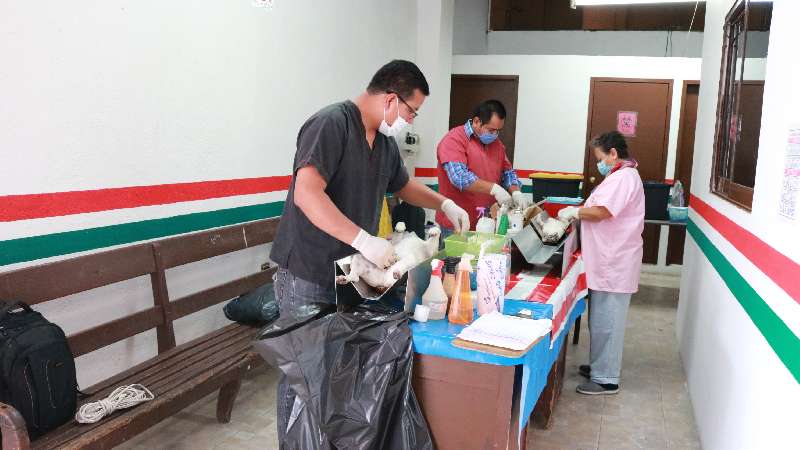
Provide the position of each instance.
(612, 139)
(400, 77)
(486, 109)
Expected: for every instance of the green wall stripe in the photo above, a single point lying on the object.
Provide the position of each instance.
(782, 340)
(56, 244)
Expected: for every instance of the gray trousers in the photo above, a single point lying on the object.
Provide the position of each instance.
(292, 293)
(607, 314)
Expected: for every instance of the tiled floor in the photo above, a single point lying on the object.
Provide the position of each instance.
(652, 410)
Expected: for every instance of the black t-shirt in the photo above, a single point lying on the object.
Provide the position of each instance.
(333, 140)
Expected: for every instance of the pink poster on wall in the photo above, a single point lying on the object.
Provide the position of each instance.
(626, 123)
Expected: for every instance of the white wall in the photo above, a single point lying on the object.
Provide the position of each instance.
(743, 395)
(105, 94)
(609, 43)
(434, 57)
(553, 102)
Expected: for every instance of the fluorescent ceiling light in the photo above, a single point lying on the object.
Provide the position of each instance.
(635, 2)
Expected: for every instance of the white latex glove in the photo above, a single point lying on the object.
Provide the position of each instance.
(457, 216)
(520, 200)
(568, 214)
(378, 251)
(501, 195)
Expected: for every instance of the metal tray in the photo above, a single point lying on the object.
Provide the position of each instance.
(533, 249)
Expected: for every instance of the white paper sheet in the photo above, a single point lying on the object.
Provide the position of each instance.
(514, 333)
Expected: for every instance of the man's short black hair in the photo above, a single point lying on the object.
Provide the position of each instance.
(613, 139)
(401, 77)
(486, 109)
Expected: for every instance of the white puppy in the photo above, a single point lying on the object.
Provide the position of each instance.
(410, 251)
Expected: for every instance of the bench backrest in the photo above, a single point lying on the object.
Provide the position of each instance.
(55, 280)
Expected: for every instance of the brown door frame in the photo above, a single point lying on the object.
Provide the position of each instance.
(514, 78)
(684, 90)
(587, 160)
(672, 231)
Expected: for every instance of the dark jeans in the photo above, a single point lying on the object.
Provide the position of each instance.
(293, 293)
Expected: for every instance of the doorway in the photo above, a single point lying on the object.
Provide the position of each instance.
(683, 163)
(640, 109)
(467, 91)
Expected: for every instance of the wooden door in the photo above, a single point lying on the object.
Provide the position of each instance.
(467, 91)
(683, 163)
(645, 106)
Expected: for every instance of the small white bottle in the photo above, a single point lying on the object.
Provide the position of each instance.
(515, 221)
(434, 297)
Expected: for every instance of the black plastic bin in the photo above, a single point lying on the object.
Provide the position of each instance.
(656, 198)
(569, 186)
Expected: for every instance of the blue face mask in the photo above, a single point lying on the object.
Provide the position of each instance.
(604, 168)
(487, 138)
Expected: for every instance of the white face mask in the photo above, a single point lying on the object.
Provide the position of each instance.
(398, 125)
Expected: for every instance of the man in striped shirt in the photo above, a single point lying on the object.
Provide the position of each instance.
(473, 169)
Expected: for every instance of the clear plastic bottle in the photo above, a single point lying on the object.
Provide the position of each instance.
(515, 221)
(485, 224)
(461, 304)
(434, 297)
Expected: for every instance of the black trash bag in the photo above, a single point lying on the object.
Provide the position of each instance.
(351, 374)
(255, 307)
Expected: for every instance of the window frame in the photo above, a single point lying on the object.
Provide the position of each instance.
(728, 105)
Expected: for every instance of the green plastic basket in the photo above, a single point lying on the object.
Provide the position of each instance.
(470, 242)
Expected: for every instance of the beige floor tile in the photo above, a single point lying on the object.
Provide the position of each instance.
(652, 411)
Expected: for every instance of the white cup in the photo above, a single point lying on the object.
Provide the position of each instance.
(421, 313)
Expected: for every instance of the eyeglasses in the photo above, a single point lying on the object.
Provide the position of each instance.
(414, 112)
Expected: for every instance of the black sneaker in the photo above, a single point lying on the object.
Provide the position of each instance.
(585, 370)
(592, 388)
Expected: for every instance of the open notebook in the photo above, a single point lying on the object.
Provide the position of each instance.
(498, 330)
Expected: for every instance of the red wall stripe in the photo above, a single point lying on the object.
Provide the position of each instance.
(34, 206)
(425, 172)
(775, 265)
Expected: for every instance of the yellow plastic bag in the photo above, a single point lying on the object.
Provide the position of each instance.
(385, 224)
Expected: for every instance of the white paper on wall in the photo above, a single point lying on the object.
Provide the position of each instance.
(790, 188)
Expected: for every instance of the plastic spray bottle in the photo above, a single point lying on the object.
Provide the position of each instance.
(434, 297)
(461, 304)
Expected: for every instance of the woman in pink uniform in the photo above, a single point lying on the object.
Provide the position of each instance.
(611, 242)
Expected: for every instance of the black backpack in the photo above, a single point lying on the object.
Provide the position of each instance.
(37, 370)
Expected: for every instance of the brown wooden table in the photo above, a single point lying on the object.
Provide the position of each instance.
(470, 405)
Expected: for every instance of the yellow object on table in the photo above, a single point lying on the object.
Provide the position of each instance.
(557, 176)
(385, 224)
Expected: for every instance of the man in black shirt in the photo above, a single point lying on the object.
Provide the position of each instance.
(346, 161)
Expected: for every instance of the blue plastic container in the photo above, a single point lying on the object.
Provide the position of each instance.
(678, 213)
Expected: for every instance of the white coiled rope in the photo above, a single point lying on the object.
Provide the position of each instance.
(122, 397)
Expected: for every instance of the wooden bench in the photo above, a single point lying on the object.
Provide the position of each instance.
(178, 375)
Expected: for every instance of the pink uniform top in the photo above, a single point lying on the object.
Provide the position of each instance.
(612, 248)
